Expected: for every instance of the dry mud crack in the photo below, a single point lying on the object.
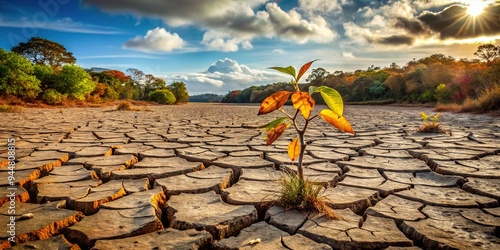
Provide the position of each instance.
(199, 176)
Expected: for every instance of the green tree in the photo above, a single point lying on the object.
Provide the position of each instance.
(75, 82)
(180, 92)
(162, 96)
(17, 76)
(151, 83)
(42, 51)
(317, 75)
(46, 75)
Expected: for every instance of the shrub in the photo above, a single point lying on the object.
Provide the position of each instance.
(162, 96)
(488, 101)
(51, 96)
(124, 105)
(9, 109)
(426, 96)
(17, 76)
(75, 82)
(442, 94)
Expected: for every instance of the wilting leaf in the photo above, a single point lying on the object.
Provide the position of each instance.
(303, 102)
(288, 70)
(340, 122)
(332, 98)
(303, 69)
(274, 123)
(294, 149)
(273, 102)
(274, 133)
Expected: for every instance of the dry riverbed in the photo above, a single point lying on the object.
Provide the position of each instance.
(200, 176)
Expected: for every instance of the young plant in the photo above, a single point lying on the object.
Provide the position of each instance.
(304, 104)
(430, 127)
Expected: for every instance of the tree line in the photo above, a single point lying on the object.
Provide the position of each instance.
(436, 78)
(40, 69)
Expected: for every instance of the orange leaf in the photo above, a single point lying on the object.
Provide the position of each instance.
(274, 133)
(273, 102)
(294, 149)
(303, 69)
(303, 102)
(341, 123)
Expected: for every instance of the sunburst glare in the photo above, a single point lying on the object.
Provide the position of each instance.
(476, 8)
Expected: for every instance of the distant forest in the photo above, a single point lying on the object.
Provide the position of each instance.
(206, 98)
(41, 70)
(437, 78)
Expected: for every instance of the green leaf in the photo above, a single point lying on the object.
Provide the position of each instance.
(288, 70)
(332, 98)
(274, 123)
(312, 89)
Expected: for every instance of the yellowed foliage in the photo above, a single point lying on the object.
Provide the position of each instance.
(303, 102)
(341, 123)
(294, 149)
(274, 133)
(273, 102)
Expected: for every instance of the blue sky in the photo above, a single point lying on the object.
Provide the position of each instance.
(215, 46)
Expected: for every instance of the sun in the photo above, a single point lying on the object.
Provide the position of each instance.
(476, 8)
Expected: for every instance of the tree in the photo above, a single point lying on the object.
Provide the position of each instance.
(396, 83)
(17, 76)
(46, 75)
(152, 83)
(43, 51)
(180, 92)
(75, 82)
(317, 76)
(488, 52)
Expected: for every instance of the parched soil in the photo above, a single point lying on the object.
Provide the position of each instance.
(199, 176)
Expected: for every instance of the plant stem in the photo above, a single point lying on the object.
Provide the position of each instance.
(300, 169)
(301, 155)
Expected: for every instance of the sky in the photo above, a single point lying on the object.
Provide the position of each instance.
(215, 46)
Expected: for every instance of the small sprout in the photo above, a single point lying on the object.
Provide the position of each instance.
(425, 117)
(254, 241)
(430, 127)
(435, 118)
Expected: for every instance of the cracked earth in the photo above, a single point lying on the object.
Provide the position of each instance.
(199, 176)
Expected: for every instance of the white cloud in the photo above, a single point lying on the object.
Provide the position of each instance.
(156, 40)
(348, 55)
(231, 25)
(279, 51)
(214, 40)
(291, 26)
(393, 24)
(63, 25)
(321, 6)
(224, 75)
